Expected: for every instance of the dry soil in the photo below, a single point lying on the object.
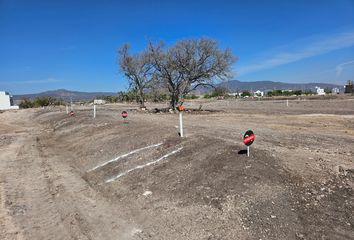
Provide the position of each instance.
(65, 177)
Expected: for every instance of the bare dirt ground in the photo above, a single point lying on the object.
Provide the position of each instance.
(77, 177)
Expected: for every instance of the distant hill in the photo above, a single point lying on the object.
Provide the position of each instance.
(232, 86)
(66, 95)
(236, 85)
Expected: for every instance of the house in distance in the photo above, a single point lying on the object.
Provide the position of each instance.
(6, 101)
(349, 87)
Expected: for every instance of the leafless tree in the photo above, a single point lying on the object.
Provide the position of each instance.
(139, 71)
(189, 64)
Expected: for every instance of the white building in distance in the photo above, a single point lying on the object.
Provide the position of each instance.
(335, 90)
(320, 91)
(6, 101)
(258, 93)
(99, 101)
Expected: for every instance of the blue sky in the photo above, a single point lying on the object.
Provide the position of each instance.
(47, 45)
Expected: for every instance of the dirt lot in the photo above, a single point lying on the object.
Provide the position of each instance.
(77, 177)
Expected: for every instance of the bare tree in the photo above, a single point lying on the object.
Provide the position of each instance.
(189, 64)
(139, 71)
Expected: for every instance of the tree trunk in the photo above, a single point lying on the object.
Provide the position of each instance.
(141, 98)
(141, 103)
(174, 101)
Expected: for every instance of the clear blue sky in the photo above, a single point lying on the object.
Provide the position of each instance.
(71, 44)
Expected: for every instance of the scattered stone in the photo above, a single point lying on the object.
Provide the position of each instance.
(341, 170)
(136, 231)
(300, 236)
(147, 193)
(319, 197)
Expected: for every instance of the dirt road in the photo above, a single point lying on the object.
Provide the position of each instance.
(82, 178)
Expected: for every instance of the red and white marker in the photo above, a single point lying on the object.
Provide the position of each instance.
(181, 109)
(124, 114)
(248, 139)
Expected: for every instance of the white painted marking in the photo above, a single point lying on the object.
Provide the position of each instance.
(123, 156)
(145, 165)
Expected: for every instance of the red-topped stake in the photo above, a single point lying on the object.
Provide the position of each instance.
(181, 109)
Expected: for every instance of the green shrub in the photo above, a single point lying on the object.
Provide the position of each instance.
(193, 96)
(26, 103)
(44, 101)
(246, 94)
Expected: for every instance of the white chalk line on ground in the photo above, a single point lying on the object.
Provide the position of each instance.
(123, 156)
(142, 166)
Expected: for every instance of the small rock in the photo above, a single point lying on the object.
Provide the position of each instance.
(300, 236)
(147, 193)
(136, 231)
(319, 197)
(340, 170)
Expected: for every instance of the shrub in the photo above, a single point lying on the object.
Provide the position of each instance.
(193, 96)
(26, 103)
(44, 101)
(246, 94)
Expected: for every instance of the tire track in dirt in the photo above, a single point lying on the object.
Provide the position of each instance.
(8, 230)
(43, 198)
(27, 195)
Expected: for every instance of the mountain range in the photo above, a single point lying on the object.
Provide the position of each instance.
(232, 86)
(66, 95)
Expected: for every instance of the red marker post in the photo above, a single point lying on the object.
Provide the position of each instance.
(248, 139)
(181, 108)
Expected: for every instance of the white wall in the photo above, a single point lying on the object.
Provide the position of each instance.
(320, 91)
(5, 102)
(99, 101)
